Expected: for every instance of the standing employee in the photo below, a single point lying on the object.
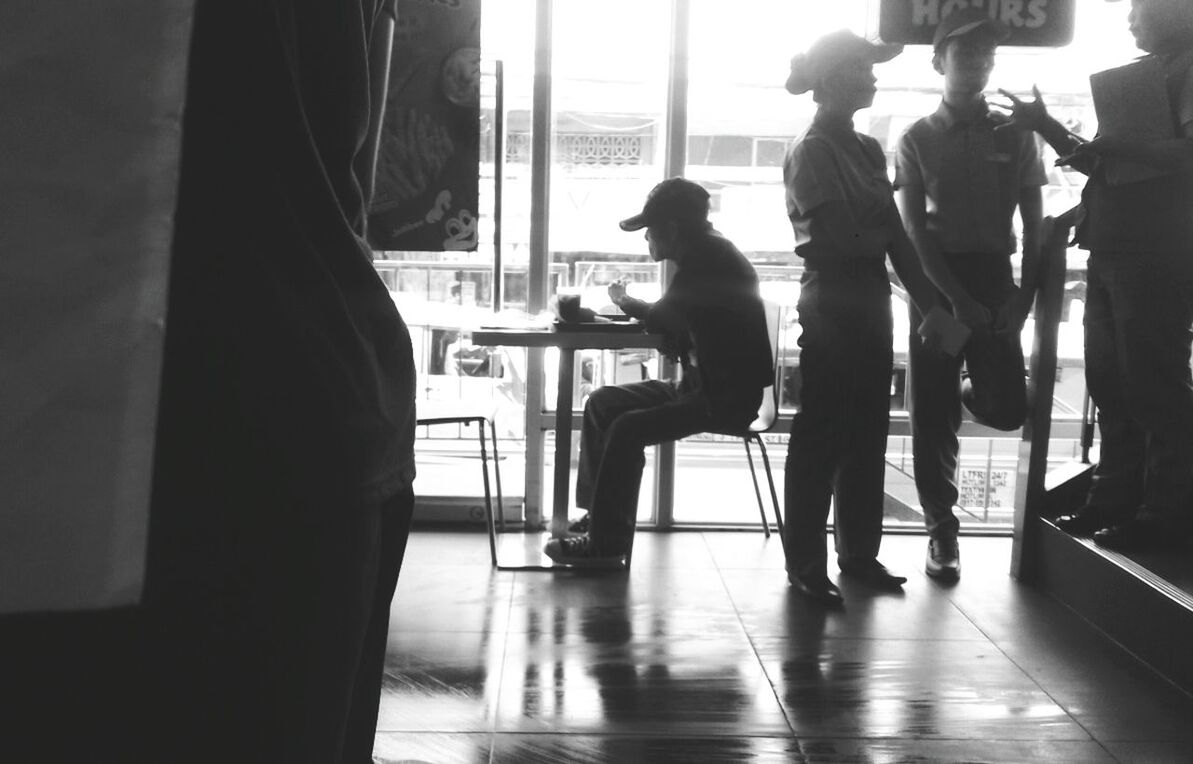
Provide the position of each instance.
(960, 180)
(842, 210)
(1139, 310)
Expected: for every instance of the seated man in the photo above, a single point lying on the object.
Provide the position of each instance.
(715, 327)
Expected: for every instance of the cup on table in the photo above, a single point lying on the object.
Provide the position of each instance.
(567, 304)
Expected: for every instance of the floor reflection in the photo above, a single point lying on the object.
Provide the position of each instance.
(703, 653)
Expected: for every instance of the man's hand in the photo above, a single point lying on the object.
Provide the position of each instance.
(1089, 151)
(617, 292)
(972, 313)
(1013, 313)
(1024, 115)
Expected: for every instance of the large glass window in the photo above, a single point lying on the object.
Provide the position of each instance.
(610, 88)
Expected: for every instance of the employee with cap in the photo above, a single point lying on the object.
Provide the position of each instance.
(960, 180)
(715, 327)
(842, 210)
(1139, 305)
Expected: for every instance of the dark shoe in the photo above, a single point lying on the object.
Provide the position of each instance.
(1142, 534)
(944, 559)
(579, 527)
(874, 574)
(582, 552)
(991, 413)
(1083, 522)
(818, 588)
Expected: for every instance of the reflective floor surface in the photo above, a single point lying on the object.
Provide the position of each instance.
(703, 653)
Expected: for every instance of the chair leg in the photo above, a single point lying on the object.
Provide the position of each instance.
(480, 427)
(497, 477)
(774, 496)
(757, 490)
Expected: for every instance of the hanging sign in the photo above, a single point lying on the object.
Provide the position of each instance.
(428, 163)
(1036, 23)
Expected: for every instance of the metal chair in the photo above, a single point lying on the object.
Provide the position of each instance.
(437, 412)
(764, 421)
(768, 415)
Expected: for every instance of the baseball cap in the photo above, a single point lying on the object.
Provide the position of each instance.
(673, 199)
(968, 20)
(829, 52)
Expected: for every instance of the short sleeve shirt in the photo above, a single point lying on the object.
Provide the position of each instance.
(971, 175)
(834, 164)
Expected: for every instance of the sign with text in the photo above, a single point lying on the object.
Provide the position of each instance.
(1037, 23)
(980, 488)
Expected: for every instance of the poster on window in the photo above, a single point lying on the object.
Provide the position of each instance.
(429, 159)
(1038, 23)
(986, 488)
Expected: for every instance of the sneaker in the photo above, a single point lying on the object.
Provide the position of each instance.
(579, 527)
(944, 559)
(581, 552)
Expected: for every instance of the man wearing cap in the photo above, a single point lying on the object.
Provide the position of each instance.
(1139, 304)
(960, 180)
(842, 212)
(715, 327)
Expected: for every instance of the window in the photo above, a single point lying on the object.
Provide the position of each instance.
(609, 75)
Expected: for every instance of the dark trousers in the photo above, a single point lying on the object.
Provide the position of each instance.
(73, 687)
(276, 655)
(269, 643)
(996, 394)
(838, 440)
(620, 421)
(1138, 334)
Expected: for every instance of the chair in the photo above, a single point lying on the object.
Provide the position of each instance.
(437, 412)
(764, 421)
(768, 415)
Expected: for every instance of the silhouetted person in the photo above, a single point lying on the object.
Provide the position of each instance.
(715, 326)
(1139, 308)
(960, 181)
(282, 488)
(842, 210)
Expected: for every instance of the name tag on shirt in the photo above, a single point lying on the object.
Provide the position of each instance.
(1000, 157)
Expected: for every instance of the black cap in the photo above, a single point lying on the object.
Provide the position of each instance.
(965, 21)
(675, 199)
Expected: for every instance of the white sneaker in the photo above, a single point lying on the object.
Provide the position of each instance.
(581, 552)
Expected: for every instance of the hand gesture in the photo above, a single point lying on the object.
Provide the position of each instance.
(1025, 115)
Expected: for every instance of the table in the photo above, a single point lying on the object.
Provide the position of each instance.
(568, 342)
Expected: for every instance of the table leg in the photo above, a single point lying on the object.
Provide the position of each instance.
(563, 442)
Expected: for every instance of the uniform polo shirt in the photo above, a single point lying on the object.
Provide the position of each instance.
(834, 163)
(971, 174)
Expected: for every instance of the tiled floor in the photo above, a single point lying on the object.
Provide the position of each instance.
(704, 654)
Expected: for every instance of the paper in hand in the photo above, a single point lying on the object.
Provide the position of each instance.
(941, 330)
